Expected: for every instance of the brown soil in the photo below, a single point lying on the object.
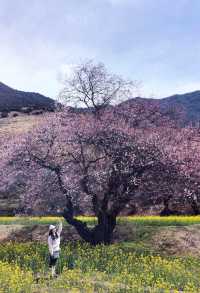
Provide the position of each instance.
(178, 240)
(22, 233)
(165, 240)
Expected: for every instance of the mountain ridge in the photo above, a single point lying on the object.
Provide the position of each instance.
(15, 100)
(188, 104)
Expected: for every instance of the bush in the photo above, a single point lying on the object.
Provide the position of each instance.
(37, 112)
(4, 114)
(26, 110)
(14, 114)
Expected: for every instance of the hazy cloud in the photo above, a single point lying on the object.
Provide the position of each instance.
(156, 42)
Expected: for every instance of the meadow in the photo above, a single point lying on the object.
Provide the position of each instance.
(82, 268)
(120, 267)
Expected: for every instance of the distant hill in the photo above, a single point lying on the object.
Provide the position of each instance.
(14, 100)
(189, 102)
(184, 107)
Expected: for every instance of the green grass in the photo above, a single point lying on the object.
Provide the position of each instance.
(137, 220)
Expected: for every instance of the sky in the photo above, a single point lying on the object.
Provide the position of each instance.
(155, 42)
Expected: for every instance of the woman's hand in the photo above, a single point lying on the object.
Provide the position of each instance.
(59, 229)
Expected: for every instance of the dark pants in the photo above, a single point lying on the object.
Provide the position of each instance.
(53, 259)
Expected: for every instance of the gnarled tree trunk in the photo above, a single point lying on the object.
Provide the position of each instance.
(101, 234)
(103, 231)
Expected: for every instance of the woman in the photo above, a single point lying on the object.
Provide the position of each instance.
(54, 246)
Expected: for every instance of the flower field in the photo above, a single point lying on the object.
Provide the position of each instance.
(121, 267)
(138, 220)
(81, 268)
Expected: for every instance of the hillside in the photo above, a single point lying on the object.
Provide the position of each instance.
(19, 125)
(14, 100)
(11, 127)
(189, 102)
(184, 107)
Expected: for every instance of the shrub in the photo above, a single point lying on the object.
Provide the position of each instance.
(4, 114)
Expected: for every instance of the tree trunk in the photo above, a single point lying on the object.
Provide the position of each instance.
(103, 231)
(195, 207)
(166, 211)
(101, 234)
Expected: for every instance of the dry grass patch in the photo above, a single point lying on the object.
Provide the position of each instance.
(19, 124)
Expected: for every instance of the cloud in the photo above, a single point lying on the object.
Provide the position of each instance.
(151, 41)
(183, 87)
(123, 2)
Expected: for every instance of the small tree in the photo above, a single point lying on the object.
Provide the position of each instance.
(91, 86)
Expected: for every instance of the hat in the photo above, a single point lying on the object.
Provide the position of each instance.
(51, 227)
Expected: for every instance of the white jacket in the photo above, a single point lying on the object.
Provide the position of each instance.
(54, 244)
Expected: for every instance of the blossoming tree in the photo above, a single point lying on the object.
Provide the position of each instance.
(96, 156)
